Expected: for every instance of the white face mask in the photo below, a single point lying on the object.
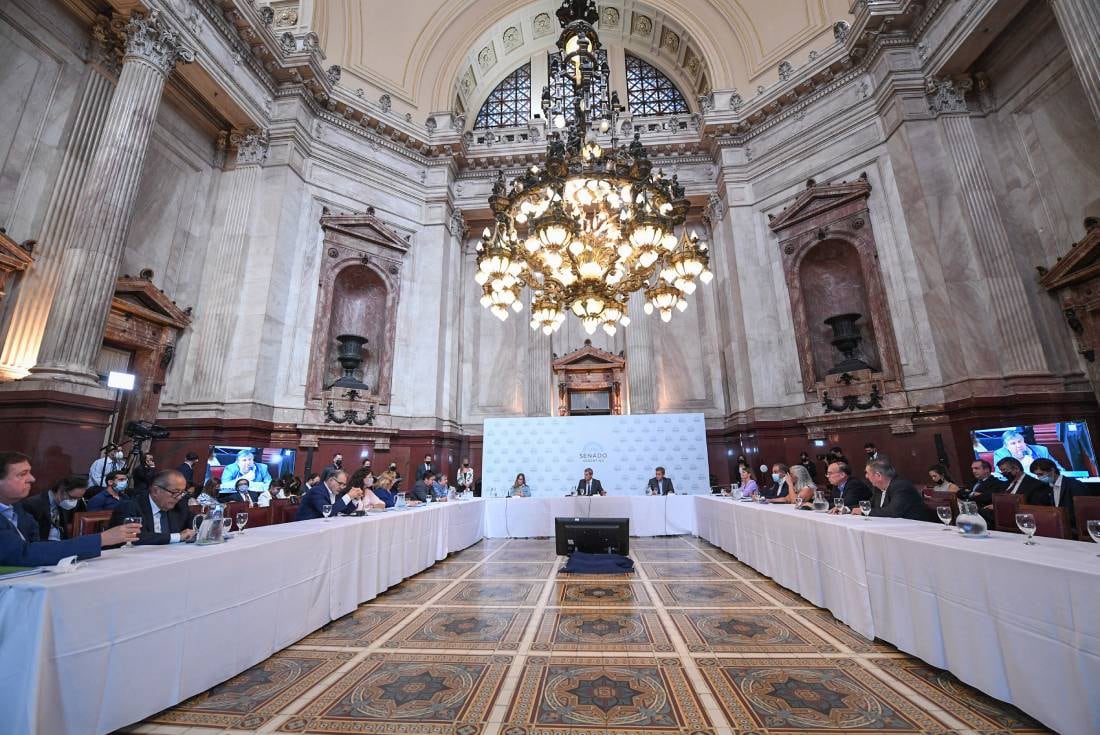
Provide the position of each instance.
(118, 455)
(68, 503)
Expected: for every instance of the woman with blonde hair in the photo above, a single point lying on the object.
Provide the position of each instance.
(382, 487)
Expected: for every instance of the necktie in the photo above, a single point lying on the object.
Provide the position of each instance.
(164, 522)
(588, 488)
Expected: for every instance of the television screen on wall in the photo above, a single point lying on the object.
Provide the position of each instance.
(1066, 442)
(259, 465)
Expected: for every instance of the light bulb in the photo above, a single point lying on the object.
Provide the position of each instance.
(647, 308)
(706, 277)
(517, 306)
(609, 328)
(681, 305)
(666, 315)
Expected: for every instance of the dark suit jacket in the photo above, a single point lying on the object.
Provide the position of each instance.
(669, 489)
(903, 500)
(420, 491)
(775, 490)
(188, 473)
(1035, 491)
(39, 508)
(982, 491)
(421, 470)
(856, 490)
(179, 519)
(313, 503)
(597, 488)
(29, 551)
(1071, 488)
(143, 478)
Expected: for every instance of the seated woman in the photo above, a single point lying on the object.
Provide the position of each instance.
(749, 486)
(362, 478)
(381, 490)
(941, 481)
(208, 495)
(519, 488)
(800, 487)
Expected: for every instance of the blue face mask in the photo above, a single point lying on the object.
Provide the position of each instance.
(776, 477)
(1047, 479)
(121, 485)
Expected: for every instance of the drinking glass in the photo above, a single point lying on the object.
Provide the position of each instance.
(326, 511)
(131, 519)
(242, 521)
(1094, 531)
(865, 508)
(1026, 523)
(227, 526)
(944, 512)
(838, 503)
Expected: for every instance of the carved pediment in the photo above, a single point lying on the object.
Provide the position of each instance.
(138, 296)
(13, 256)
(818, 199)
(589, 358)
(1082, 263)
(365, 226)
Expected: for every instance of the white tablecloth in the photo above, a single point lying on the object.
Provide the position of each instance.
(649, 515)
(1020, 623)
(139, 630)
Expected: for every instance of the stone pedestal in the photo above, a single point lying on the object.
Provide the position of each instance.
(89, 265)
(1080, 24)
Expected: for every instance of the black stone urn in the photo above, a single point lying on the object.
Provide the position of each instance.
(350, 358)
(846, 339)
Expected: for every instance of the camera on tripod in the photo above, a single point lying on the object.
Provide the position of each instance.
(145, 430)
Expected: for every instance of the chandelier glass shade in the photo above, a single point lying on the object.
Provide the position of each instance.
(592, 225)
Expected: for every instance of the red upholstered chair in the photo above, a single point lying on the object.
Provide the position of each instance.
(288, 512)
(257, 517)
(90, 522)
(1086, 508)
(277, 506)
(1004, 512)
(1049, 521)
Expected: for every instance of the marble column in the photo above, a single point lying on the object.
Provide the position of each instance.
(89, 266)
(540, 379)
(1080, 24)
(640, 369)
(226, 258)
(23, 335)
(1019, 339)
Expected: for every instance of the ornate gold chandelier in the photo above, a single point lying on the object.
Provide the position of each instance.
(592, 225)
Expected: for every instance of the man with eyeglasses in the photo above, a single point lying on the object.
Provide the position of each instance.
(327, 493)
(165, 514)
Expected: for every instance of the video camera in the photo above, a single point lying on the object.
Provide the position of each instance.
(145, 430)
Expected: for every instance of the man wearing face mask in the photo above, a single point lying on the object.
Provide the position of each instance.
(114, 461)
(778, 487)
(53, 510)
(112, 495)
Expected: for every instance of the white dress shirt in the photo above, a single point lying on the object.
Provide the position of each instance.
(173, 538)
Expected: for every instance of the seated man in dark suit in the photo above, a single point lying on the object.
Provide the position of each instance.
(20, 543)
(778, 488)
(1063, 489)
(893, 496)
(589, 486)
(849, 489)
(985, 483)
(164, 511)
(54, 509)
(659, 484)
(1021, 483)
(325, 493)
(423, 487)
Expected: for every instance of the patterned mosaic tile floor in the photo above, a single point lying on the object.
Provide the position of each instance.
(495, 641)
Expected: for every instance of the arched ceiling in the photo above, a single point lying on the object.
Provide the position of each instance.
(420, 52)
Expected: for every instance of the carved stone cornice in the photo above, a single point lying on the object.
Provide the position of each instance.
(150, 38)
(252, 147)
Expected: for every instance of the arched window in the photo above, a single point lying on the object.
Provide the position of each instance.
(650, 92)
(510, 103)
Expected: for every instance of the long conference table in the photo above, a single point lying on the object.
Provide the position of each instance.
(140, 630)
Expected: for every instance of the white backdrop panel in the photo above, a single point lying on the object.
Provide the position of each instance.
(553, 451)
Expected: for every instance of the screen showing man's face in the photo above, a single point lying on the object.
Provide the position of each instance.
(246, 463)
(1017, 446)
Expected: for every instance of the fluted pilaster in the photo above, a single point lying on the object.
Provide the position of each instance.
(640, 369)
(540, 387)
(28, 318)
(1080, 24)
(1021, 352)
(89, 265)
(226, 258)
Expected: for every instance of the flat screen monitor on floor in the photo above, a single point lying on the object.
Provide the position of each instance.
(592, 535)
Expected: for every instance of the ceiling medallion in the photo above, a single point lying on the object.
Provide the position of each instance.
(594, 224)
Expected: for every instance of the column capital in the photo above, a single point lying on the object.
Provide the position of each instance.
(153, 40)
(252, 146)
(948, 95)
